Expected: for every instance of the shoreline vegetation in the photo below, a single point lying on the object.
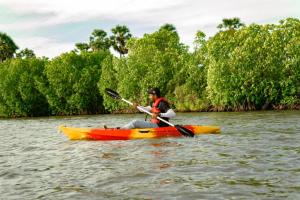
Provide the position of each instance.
(240, 68)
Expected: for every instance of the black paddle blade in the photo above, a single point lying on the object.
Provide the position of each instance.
(184, 131)
(112, 93)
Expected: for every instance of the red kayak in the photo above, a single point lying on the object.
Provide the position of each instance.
(122, 134)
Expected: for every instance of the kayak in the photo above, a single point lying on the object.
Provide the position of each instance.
(131, 134)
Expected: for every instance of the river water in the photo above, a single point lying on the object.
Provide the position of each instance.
(256, 156)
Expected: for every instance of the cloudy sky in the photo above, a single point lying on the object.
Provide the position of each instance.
(51, 27)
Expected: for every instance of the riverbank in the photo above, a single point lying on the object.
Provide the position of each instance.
(221, 109)
(133, 111)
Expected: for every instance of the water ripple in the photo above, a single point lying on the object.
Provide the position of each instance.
(255, 157)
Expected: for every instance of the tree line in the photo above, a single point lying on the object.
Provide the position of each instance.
(242, 67)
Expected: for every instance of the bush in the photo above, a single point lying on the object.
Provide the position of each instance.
(254, 67)
(71, 86)
(18, 87)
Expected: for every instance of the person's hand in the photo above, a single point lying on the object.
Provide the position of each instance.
(135, 105)
(155, 115)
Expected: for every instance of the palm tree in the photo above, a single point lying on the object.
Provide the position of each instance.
(121, 35)
(231, 24)
(25, 53)
(7, 47)
(168, 27)
(99, 40)
(82, 46)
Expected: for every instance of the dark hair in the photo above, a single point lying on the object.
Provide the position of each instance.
(154, 91)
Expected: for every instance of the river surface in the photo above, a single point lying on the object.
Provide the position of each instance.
(256, 156)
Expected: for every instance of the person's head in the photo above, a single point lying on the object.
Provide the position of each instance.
(154, 93)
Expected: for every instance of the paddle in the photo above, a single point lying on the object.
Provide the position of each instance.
(184, 131)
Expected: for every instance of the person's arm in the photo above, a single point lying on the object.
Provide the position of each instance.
(148, 108)
(169, 114)
(166, 110)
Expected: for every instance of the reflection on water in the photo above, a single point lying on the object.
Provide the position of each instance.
(255, 157)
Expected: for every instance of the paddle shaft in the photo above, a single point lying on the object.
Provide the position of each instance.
(149, 113)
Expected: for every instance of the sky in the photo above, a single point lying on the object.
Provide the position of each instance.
(51, 27)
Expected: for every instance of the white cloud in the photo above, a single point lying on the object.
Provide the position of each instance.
(66, 11)
(44, 46)
(187, 15)
(152, 11)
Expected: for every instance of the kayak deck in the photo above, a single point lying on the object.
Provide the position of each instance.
(122, 134)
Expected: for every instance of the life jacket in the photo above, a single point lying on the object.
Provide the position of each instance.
(155, 109)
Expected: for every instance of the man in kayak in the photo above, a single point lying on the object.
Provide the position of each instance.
(160, 107)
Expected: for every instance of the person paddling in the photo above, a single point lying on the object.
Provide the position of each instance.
(160, 108)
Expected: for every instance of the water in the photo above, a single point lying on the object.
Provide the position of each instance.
(255, 157)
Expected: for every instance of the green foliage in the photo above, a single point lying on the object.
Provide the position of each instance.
(168, 27)
(109, 80)
(254, 67)
(153, 61)
(288, 32)
(72, 83)
(82, 46)
(231, 24)
(239, 68)
(99, 41)
(7, 47)
(18, 88)
(121, 35)
(191, 80)
(25, 53)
